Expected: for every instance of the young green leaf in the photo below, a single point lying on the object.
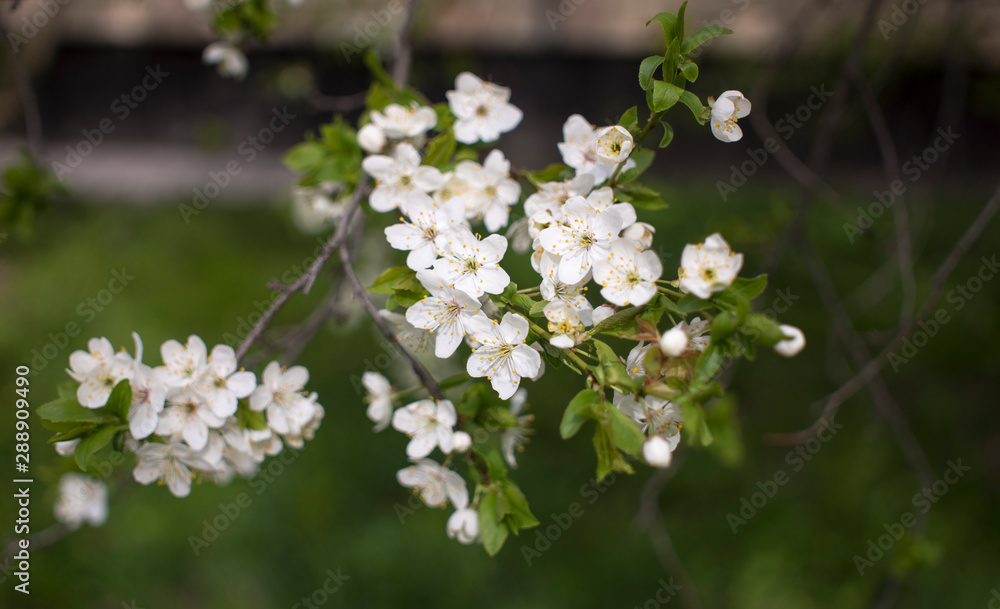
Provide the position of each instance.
(580, 409)
(665, 95)
(390, 278)
(625, 433)
(699, 111)
(647, 69)
(668, 135)
(701, 36)
(120, 400)
(492, 530)
(643, 159)
(440, 149)
(68, 409)
(95, 442)
(667, 21)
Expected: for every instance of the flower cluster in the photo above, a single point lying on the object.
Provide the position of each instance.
(196, 414)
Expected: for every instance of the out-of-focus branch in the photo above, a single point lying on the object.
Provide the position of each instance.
(831, 403)
(649, 520)
(26, 93)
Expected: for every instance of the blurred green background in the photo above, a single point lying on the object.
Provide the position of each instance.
(337, 505)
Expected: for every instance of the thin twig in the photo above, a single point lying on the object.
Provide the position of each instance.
(831, 403)
(29, 101)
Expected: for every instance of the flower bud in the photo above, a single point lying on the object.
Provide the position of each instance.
(794, 341)
(656, 452)
(371, 139)
(674, 342)
(462, 442)
(464, 526)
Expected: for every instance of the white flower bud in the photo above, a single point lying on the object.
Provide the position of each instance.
(464, 526)
(462, 442)
(674, 341)
(561, 341)
(371, 139)
(602, 312)
(656, 452)
(794, 341)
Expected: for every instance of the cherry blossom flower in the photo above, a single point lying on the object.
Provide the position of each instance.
(655, 415)
(601, 313)
(97, 370)
(579, 150)
(279, 395)
(379, 397)
(149, 392)
(481, 109)
(447, 313)
(471, 265)
(416, 340)
(435, 483)
(613, 144)
(628, 275)
(183, 364)
(503, 357)
(491, 190)
(221, 384)
(730, 106)
(428, 424)
(635, 362)
(229, 59)
(572, 294)
(400, 180)
(189, 417)
(170, 464)
(641, 233)
(399, 122)
(708, 267)
(792, 344)
(696, 330)
(81, 499)
(587, 236)
(564, 323)
(463, 525)
(425, 236)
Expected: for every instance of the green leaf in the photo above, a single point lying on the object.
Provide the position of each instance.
(71, 433)
(621, 322)
(643, 159)
(120, 400)
(721, 418)
(67, 389)
(699, 111)
(723, 326)
(580, 409)
(538, 309)
(305, 156)
(608, 458)
(630, 121)
(689, 303)
(701, 36)
(689, 70)
(501, 299)
(445, 119)
(671, 59)
(496, 467)
(520, 515)
(646, 70)
(373, 62)
(522, 302)
(749, 287)
(552, 173)
(640, 195)
(93, 443)
(390, 278)
(492, 531)
(709, 362)
(665, 95)
(440, 149)
(679, 23)
(626, 434)
(68, 409)
(668, 135)
(667, 21)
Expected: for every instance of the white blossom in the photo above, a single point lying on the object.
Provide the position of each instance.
(189, 417)
(447, 312)
(656, 416)
(221, 384)
(481, 109)
(503, 357)
(628, 275)
(641, 233)
(613, 144)
(708, 267)
(379, 397)
(371, 139)
(97, 370)
(280, 397)
(425, 235)
(697, 333)
(183, 364)
(400, 122)
(428, 423)
(228, 59)
(491, 191)
(586, 236)
(435, 483)
(572, 294)
(170, 464)
(635, 362)
(730, 106)
(473, 265)
(82, 499)
(602, 312)
(400, 179)
(657, 452)
(579, 150)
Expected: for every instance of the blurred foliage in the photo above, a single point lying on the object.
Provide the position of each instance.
(337, 504)
(25, 191)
